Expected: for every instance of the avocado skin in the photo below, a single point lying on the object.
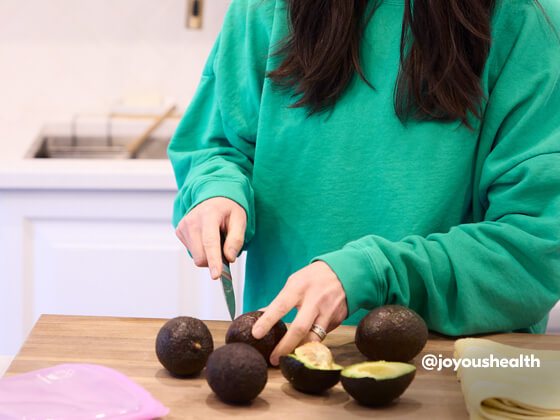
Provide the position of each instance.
(236, 372)
(391, 332)
(240, 329)
(376, 392)
(183, 345)
(310, 381)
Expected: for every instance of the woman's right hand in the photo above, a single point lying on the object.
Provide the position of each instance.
(200, 231)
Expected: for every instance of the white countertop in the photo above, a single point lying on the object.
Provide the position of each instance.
(87, 174)
(20, 173)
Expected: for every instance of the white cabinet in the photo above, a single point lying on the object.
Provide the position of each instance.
(97, 252)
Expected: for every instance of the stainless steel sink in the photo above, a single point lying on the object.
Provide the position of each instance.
(61, 147)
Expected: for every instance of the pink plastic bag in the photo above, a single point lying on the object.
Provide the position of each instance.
(76, 392)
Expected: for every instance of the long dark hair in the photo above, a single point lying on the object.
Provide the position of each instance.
(444, 46)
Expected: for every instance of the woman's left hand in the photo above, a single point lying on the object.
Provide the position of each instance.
(320, 299)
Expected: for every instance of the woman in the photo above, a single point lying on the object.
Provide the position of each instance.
(369, 153)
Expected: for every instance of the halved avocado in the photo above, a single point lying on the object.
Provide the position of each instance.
(377, 383)
(311, 368)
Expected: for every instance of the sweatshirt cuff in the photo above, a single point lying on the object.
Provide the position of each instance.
(239, 192)
(363, 284)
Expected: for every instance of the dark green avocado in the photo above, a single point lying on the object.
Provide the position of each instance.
(311, 368)
(236, 372)
(391, 332)
(240, 329)
(377, 383)
(183, 345)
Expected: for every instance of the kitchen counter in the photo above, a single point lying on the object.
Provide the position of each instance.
(20, 173)
(81, 174)
(127, 345)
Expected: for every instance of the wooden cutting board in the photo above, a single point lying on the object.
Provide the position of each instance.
(127, 345)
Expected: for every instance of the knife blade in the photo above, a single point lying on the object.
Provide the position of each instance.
(227, 284)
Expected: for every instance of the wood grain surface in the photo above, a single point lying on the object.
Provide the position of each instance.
(127, 345)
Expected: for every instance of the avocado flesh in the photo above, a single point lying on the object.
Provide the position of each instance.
(380, 370)
(309, 364)
(308, 378)
(377, 383)
(315, 355)
(311, 369)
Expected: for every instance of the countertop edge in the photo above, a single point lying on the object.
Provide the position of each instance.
(58, 174)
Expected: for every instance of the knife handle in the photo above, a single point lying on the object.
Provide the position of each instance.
(225, 261)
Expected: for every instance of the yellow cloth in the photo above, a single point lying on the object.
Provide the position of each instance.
(519, 393)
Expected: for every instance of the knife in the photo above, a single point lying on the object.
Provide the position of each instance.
(227, 283)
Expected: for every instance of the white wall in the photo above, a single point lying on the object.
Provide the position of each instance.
(59, 58)
(62, 57)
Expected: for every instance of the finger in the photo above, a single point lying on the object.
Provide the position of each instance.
(180, 235)
(212, 248)
(235, 234)
(191, 238)
(321, 320)
(279, 307)
(310, 337)
(296, 333)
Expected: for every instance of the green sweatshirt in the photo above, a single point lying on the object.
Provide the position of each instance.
(462, 226)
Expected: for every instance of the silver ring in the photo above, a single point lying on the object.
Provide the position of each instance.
(320, 331)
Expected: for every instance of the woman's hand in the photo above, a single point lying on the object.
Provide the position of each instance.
(320, 299)
(200, 231)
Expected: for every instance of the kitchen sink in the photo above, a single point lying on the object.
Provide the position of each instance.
(69, 147)
(105, 137)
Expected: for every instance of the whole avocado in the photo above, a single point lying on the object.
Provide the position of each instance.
(236, 372)
(240, 329)
(392, 333)
(183, 345)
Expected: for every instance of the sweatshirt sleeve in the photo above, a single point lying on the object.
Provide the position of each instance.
(502, 272)
(213, 147)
